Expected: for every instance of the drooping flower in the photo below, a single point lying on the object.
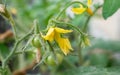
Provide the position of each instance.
(54, 34)
(79, 10)
(82, 9)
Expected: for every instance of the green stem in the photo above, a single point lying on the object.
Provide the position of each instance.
(89, 17)
(86, 24)
(36, 31)
(14, 49)
(67, 7)
(52, 49)
(80, 53)
(81, 61)
(13, 27)
(26, 51)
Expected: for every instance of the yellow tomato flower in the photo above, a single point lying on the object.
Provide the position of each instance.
(54, 34)
(82, 9)
(79, 10)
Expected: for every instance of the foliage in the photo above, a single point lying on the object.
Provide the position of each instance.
(106, 45)
(92, 71)
(110, 7)
(30, 20)
(3, 51)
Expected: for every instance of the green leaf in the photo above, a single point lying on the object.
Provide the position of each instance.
(110, 7)
(99, 59)
(3, 51)
(92, 71)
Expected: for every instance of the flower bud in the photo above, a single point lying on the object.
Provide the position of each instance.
(89, 11)
(4, 12)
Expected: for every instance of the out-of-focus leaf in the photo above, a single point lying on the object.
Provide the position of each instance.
(91, 71)
(7, 71)
(79, 20)
(99, 59)
(106, 45)
(3, 51)
(110, 7)
(1, 1)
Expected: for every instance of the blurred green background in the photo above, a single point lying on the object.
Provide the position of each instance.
(101, 58)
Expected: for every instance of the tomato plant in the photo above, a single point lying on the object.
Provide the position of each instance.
(53, 61)
(36, 42)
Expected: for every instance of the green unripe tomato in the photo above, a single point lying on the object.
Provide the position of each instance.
(36, 42)
(51, 61)
(60, 58)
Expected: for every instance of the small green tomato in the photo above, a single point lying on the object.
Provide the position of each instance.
(50, 60)
(36, 42)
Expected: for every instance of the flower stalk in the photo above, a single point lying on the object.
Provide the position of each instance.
(14, 49)
(4, 12)
(81, 61)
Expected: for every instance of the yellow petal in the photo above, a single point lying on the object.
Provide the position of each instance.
(68, 44)
(60, 30)
(89, 2)
(50, 35)
(89, 11)
(79, 10)
(57, 36)
(64, 45)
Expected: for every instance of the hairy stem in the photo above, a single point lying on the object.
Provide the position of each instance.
(89, 17)
(14, 49)
(81, 61)
(13, 27)
(52, 49)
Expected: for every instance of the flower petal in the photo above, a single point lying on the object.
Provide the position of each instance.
(68, 44)
(89, 3)
(65, 45)
(60, 30)
(50, 34)
(79, 10)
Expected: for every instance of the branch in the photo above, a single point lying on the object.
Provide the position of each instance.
(15, 48)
